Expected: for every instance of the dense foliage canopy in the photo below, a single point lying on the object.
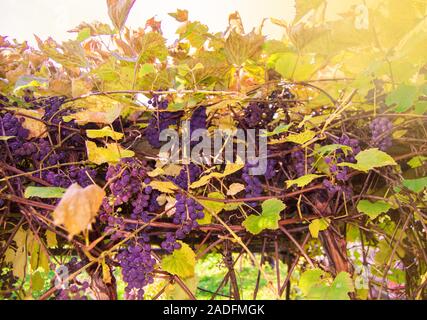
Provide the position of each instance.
(86, 205)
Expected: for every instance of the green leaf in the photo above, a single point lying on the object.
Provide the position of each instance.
(213, 207)
(181, 262)
(373, 209)
(286, 64)
(301, 138)
(416, 185)
(370, 159)
(278, 130)
(324, 150)
(44, 192)
(303, 181)
(314, 285)
(420, 107)
(37, 281)
(268, 219)
(342, 285)
(309, 279)
(83, 34)
(318, 225)
(403, 97)
(417, 161)
(104, 132)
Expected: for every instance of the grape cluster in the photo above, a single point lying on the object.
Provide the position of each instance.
(187, 212)
(190, 171)
(300, 162)
(198, 119)
(11, 126)
(259, 114)
(381, 129)
(137, 268)
(159, 121)
(74, 292)
(253, 184)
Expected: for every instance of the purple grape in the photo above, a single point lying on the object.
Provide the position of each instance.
(381, 129)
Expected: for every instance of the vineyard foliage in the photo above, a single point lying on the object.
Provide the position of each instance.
(87, 204)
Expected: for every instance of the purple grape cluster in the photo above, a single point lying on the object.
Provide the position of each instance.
(253, 184)
(299, 163)
(198, 119)
(159, 120)
(190, 171)
(137, 268)
(128, 176)
(83, 176)
(74, 292)
(259, 114)
(333, 189)
(381, 129)
(11, 126)
(187, 212)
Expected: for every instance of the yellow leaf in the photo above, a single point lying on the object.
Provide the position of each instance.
(104, 132)
(106, 274)
(20, 262)
(51, 239)
(78, 208)
(111, 154)
(80, 87)
(302, 137)
(164, 186)
(96, 109)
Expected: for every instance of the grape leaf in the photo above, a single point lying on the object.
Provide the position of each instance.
(239, 48)
(309, 279)
(370, 159)
(180, 15)
(111, 154)
(78, 208)
(213, 207)
(324, 150)
(314, 285)
(303, 181)
(301, 138)
(181, 262)
(44, 192)
(373, 209)
(230, 168)
(164, 186)
(37, 281)
(318, 225)
(175, 291)
(51, 240)
(417, 161)
(104, 132)
(403, 97)
(268, 219)
(96, 109)
(118, 10)
(415, 185)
